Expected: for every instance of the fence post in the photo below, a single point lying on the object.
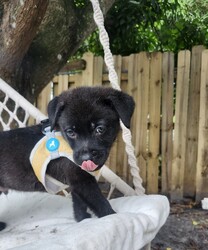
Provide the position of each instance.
(43, 99)
(138, 74)
(87, 74)
(202, 162)
(167, 120)
(154, 121)
(123, 169)
(179, 142)
(98, 71)
(63, 83)
(193, 123)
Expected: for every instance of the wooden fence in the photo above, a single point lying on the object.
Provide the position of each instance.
(170, 122)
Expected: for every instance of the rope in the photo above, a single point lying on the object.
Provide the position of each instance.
(113, 78)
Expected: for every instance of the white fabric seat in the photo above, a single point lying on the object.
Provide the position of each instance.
(42, 221)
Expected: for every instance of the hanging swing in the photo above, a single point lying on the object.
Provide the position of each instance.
(43, 221)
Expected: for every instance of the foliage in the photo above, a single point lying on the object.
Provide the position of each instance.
(153, 25)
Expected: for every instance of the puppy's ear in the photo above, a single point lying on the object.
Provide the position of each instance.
(55, 107)
(124, 105)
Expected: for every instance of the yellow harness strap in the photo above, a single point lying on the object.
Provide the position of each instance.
(47, 149)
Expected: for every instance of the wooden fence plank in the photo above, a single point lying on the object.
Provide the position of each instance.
(98, 71)
(122, 163)
(154, 121)
(202, 163)
(87, 74)
(112, 161)
(179, 141)
(132, 87)
(116, 165)
(55, 88)
(118, 65)
(141, 88)
(44, 98)
(167, 120)
(193, 123)
(62, 83)
(124, 68)
(78, 80)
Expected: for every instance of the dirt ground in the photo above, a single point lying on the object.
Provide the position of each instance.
(186, 229)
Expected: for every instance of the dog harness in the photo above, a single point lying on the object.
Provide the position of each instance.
(50, 147)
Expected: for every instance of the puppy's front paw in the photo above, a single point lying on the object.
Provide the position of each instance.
(112, 212)
(3, 190)
(81, 216)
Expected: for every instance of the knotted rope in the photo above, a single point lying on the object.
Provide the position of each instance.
(113, 78)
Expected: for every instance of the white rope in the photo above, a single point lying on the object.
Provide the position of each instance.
(113, 78)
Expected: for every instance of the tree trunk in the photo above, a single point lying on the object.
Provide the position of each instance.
(38, 37)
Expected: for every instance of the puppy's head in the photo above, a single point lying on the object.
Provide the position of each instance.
(88, 118)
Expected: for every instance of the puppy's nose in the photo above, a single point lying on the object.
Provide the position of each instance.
(88, 154)
(85, 156)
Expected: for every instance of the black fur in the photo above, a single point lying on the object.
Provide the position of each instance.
(88, 118)
(2, 225)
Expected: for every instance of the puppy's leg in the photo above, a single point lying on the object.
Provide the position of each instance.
(86, 193)
(80, 208)
(96, 202)
(84, 188)
(2, 225)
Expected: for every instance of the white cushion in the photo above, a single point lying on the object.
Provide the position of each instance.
(38, 221)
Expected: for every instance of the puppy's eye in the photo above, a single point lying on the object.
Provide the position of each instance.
(70, 133)
(100, 130)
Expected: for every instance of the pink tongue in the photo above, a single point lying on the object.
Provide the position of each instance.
(88, 165)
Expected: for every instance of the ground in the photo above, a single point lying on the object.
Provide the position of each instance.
(186, 229)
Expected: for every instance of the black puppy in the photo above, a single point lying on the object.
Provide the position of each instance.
(88, 119)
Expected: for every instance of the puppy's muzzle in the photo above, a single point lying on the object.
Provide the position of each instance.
(87, 154)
